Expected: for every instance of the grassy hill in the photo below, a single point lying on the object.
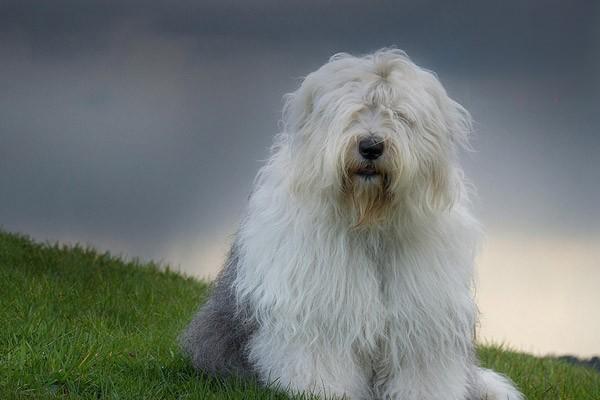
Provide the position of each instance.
(77, 324)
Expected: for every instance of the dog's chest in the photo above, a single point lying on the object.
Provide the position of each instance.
(419, 305)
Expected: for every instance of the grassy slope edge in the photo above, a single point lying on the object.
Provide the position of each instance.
(82, 325)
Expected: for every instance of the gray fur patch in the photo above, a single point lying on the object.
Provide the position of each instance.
(217, 338)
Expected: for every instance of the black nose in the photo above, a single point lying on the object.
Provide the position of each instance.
(371, 148)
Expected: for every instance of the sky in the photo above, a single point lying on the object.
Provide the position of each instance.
(138, 128)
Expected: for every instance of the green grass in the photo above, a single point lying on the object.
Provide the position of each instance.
(77, 324)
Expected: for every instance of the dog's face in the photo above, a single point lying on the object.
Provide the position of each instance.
(375, 134)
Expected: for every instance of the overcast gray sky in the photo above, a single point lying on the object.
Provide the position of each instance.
(139, 123)
(138, 127)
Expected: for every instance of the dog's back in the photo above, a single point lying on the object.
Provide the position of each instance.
(216, 338)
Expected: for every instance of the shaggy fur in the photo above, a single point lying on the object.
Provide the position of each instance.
(353, 276)
(217, 337)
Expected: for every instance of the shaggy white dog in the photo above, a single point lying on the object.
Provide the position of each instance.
(352, 272)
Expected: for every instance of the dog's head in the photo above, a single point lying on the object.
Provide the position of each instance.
(375, 134)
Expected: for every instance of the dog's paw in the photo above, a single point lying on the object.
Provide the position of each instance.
(494, 386)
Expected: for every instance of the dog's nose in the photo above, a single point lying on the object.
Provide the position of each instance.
(371, 148)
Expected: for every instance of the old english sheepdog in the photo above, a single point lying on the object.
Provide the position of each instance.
(351, 274)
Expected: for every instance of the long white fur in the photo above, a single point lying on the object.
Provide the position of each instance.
(381, 308)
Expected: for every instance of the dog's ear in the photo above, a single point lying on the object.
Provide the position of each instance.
(458, 123)
(456, 119)
(298, 106)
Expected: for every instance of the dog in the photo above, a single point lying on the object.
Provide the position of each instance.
(351, 274)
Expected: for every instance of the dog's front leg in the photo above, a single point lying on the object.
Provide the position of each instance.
(413, 379)
(307, 367)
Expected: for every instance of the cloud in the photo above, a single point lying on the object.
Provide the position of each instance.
(493, 36)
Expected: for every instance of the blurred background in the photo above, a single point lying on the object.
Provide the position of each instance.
(137, 127)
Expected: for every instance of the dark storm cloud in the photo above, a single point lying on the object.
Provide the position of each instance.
(131, 140)
(488, 35)
(134, 125)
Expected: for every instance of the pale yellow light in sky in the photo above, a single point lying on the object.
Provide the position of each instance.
(540, 294)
